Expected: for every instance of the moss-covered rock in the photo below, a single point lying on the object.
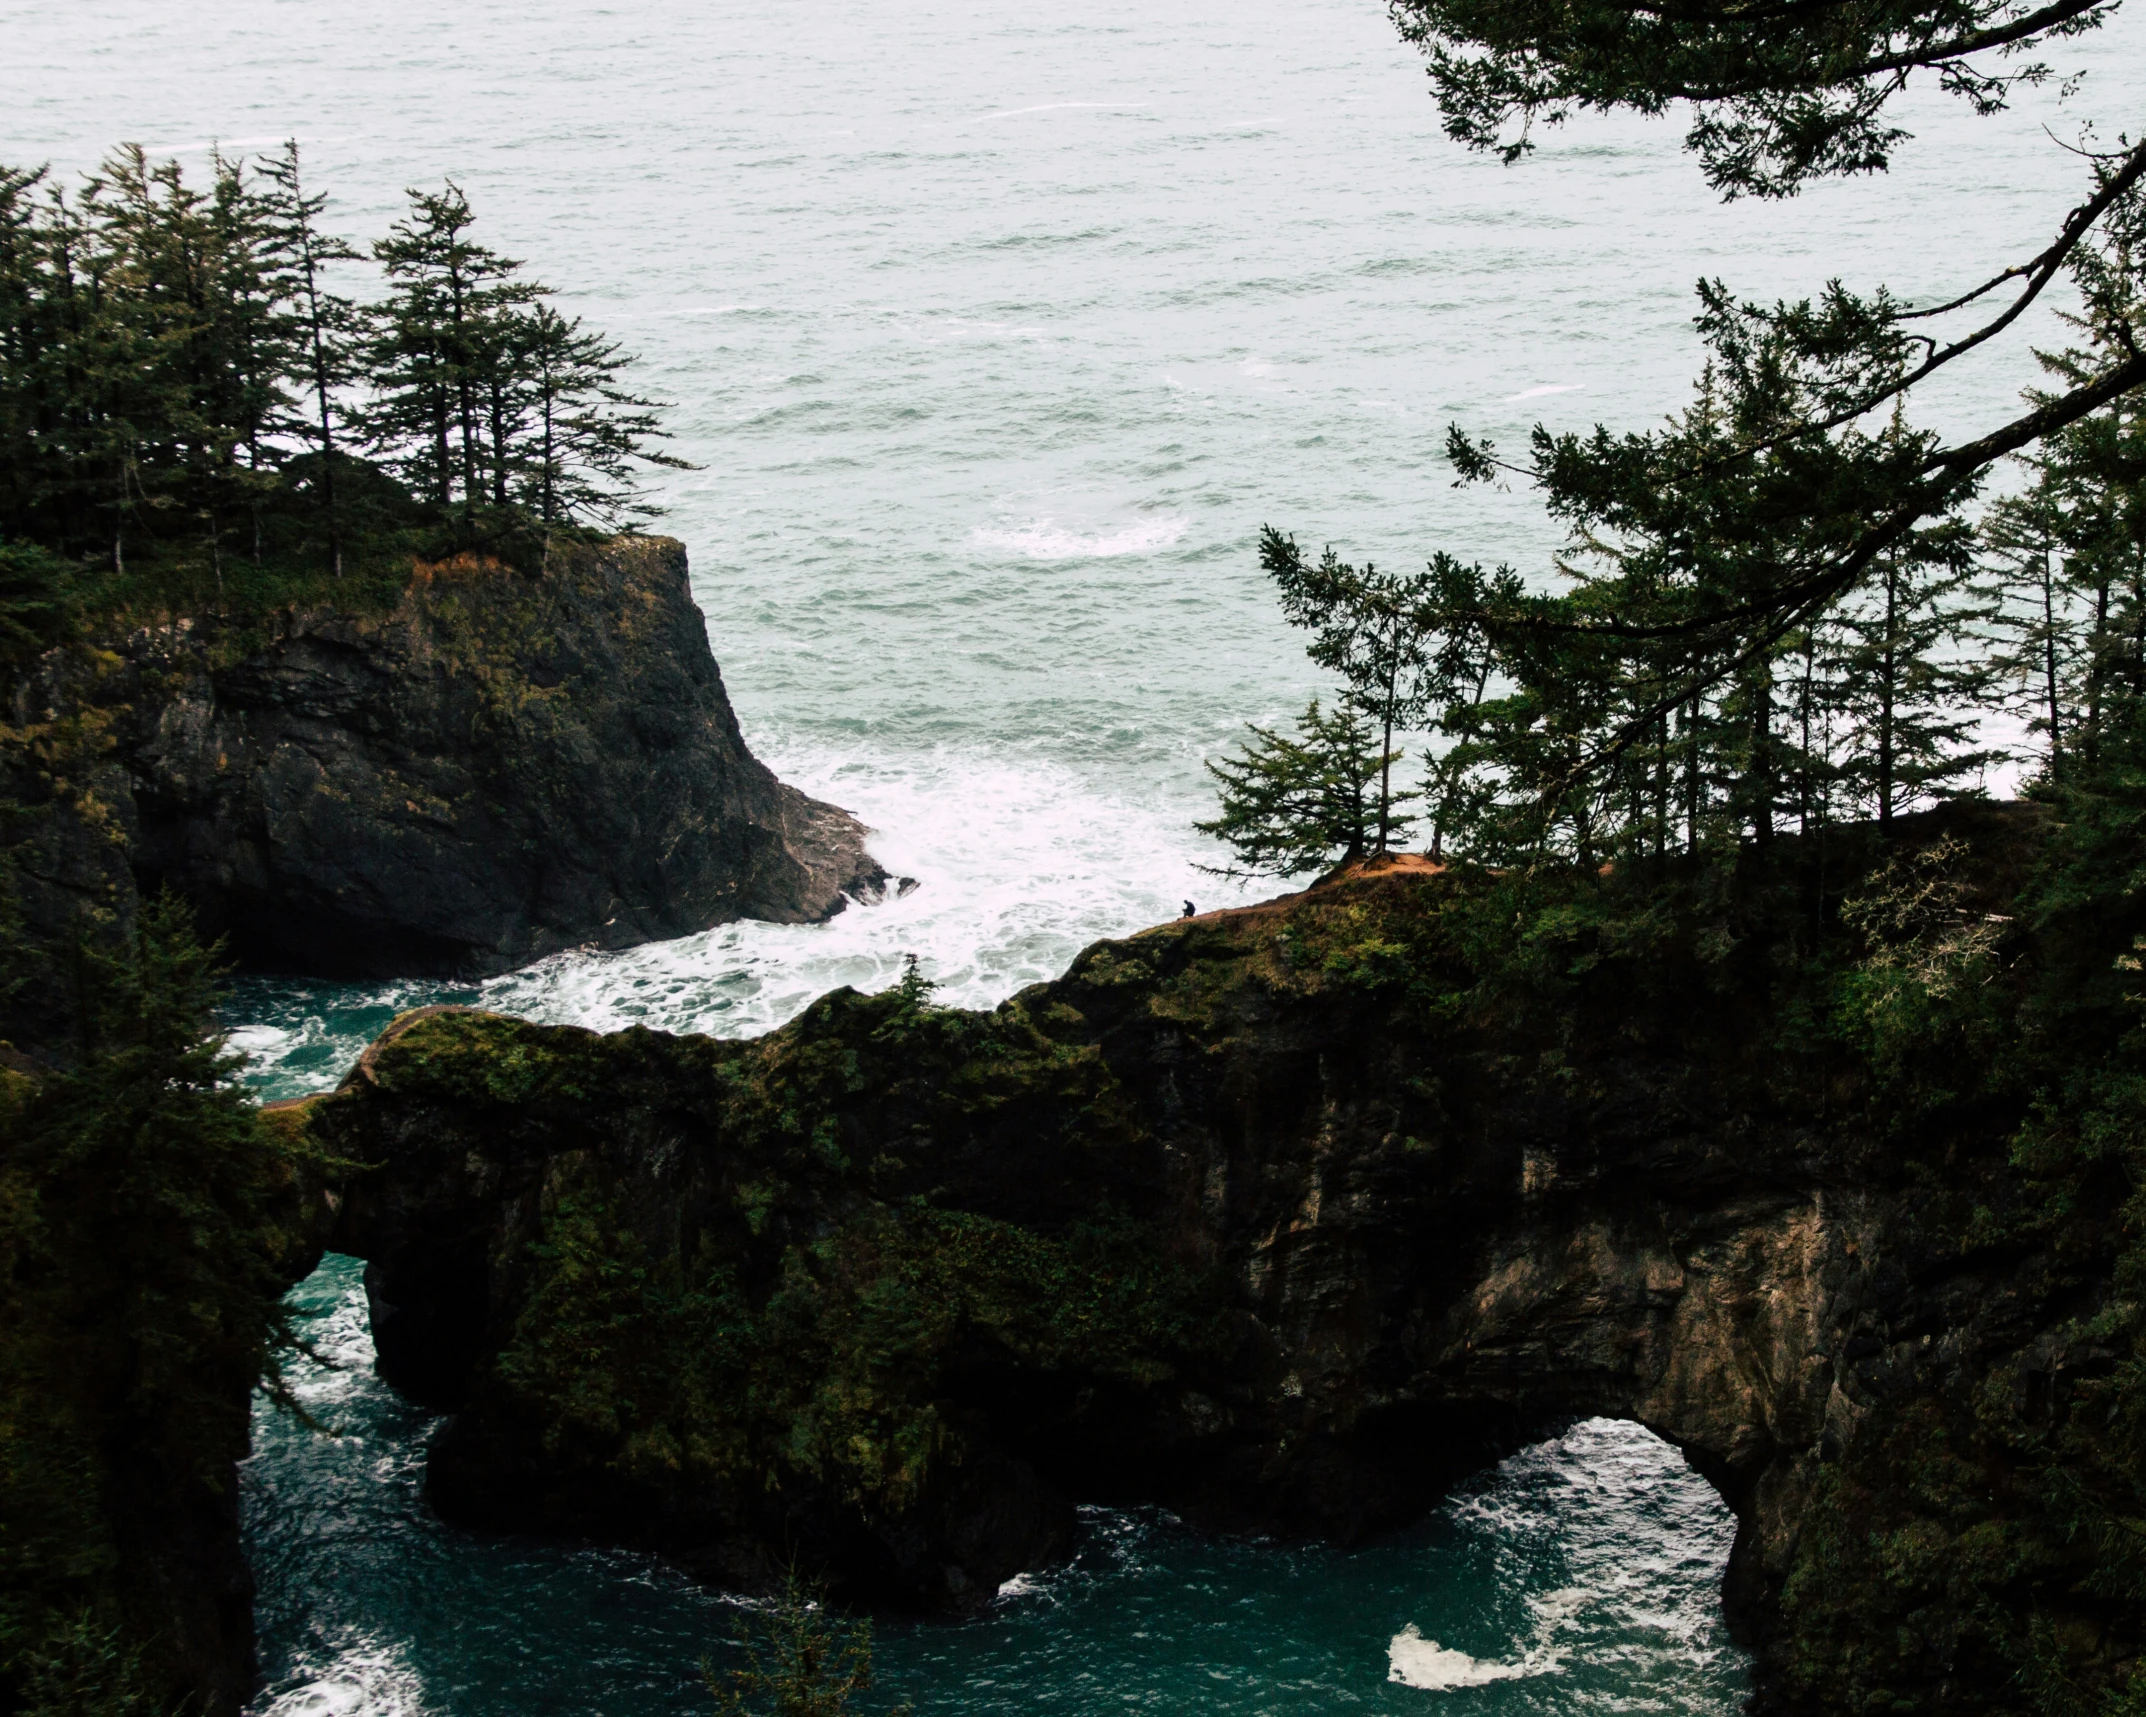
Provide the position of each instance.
(1288, 1217)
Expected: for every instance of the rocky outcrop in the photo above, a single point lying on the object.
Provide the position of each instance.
(501, 766)
(1285, 1217)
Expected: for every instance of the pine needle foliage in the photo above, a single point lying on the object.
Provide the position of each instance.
(209, 398)
(145, 1243)
(1294, 804)
(799, 1659)
(1764, 608)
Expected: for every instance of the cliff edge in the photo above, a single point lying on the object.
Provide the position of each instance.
(1288, 1217)
(502, 766)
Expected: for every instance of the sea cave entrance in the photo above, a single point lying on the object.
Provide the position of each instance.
(1582, 1573)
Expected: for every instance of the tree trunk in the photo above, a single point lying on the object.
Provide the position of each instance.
(1761, 776)
(1386, 755)
(445, 475)
(2097, 656)
(1661, 785)
(1803, 769)
(1888, 667)
(1691, 777)
(2049, 660)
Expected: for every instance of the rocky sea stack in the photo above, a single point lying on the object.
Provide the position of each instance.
(502, 765)
(1291, 1216)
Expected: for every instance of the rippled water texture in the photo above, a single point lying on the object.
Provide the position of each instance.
(998, 331)
(1580, 1576)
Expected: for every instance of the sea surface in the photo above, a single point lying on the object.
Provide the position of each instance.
(996, 333)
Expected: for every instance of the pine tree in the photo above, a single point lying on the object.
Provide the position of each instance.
(156, 231)
(2033, 622)
(798, 1660)
(1906, 682)
(145, 1217)
(250, 349)
(26, 474)
(2083, 525)
(1295, 804)
(584, 430)
(1368, 627)
(329, 329)
(443, 362)
(176, 371)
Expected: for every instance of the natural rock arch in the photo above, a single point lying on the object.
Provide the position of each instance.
(1420, 1245)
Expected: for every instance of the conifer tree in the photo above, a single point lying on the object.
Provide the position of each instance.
(2033, 619)
(1294, 804)
(796, 1659)
(1904, 686)
(1716, 544)
(2066, 560)
(144, 1215)
(177, 368)
(248, 350)
(443, 360)
(28, 474)
(328, 328)
(1368, 627)
(584, 430)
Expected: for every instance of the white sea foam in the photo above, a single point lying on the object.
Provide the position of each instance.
(1055, 107)
(365, 1679)
(1019, 863)
(1640, 1543)
(1538, 393)
(1046, 539)
(260, 1042)
(1415, 1661)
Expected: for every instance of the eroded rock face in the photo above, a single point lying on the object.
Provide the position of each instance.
(502, 767)
(1391, 1248)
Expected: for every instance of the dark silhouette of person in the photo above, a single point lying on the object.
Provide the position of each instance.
(1189, 913)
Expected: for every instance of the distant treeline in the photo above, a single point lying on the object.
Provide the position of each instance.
(202, 385)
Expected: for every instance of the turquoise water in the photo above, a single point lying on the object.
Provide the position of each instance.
(997, 334)
(1580, 1576)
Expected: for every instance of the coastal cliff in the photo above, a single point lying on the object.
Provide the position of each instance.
(499, 766)
(1288, 1218)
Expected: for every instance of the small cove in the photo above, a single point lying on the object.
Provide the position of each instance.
(996, 338)
(1581, 1575)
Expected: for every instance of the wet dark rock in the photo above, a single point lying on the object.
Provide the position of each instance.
(502, 767)
(1402, 1247)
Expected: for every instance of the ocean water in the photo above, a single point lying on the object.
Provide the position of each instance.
(1581, 1576)
(996, 335)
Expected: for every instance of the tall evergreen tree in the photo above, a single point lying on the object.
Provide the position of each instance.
(328, 328)
(180, 374)
(1368, 627)
(1906, 684)
(1722, 539)
(798, 1659)
(2032, 614)
(2066, 558)
(584, 431)
(443, 359)
(145, 1225)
